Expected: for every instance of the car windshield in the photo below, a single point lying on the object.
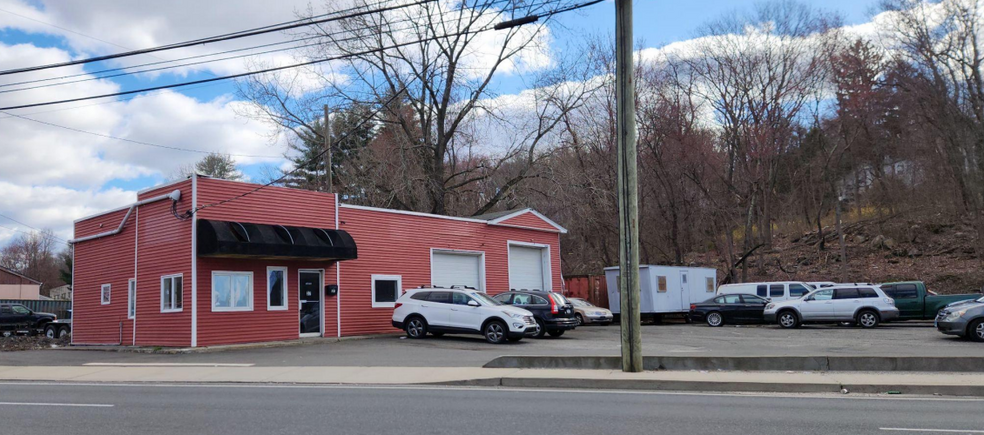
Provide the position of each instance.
(581, 303)
(485, 298)
(560, 298)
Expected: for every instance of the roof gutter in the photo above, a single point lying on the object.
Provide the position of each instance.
(173, 196)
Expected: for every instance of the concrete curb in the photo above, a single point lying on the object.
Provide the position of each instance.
(766, 363)
(720, 387)
(221, 348)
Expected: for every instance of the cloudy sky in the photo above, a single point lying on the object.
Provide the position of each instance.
(59, 163)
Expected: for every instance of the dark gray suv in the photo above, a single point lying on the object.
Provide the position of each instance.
(964, 319)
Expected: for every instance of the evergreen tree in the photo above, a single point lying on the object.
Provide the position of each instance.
(349, 140)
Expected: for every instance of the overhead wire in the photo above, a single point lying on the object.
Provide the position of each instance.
(219, 38)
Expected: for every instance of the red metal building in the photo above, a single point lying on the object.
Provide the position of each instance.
(279, 263)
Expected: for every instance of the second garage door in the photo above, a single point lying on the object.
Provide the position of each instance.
(526, 268)
(457, 268)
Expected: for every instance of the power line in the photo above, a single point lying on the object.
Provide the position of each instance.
(364, 120)
(513, 23)
(225, 37)
(95, 75)
(51, 124)
(26, 225)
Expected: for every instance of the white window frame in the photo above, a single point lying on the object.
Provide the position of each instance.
(284, 290)
(545, 258)
(172, 309)
(105, 294)
(252, 291)
(131, 298)
(399, 289)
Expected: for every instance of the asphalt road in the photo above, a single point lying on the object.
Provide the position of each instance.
(243, 410)
(898, 339)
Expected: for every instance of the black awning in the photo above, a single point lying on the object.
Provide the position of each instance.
(246, 240)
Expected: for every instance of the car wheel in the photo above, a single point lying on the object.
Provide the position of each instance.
(976, 330)
(714, 319)
(868, 319)
(7, 333)
(540, 329)
(555, 333)
(50, 332)
(63, 332)
(580, 320)
(416, 328)
(788, 319)
(495, 332)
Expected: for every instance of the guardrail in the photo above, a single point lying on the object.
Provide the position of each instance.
(58, 308)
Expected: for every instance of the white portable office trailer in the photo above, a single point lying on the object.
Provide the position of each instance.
(665, 289)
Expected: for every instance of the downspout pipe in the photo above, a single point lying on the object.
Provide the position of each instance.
(173, 196)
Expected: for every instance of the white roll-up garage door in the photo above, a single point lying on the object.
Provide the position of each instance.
(526, 268)
(452, 268)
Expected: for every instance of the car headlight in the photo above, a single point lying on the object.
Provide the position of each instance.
(513, 315)
(770, 306)
(954, 315)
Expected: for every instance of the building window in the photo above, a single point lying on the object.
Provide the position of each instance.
(661, 283)
(172, 292)
(131, 298)
(105, 294)
(232, 291)
(709, 283)
(386, 290)
(276, 288)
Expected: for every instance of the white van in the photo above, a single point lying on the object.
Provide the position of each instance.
(777, 291)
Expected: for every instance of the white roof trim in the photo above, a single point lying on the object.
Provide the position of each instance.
(498, 220)
(121, 208)
(413, 213)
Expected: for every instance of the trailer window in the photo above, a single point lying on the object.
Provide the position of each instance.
(172, 290)
(709, 284)
(762, 290)
(661, 280)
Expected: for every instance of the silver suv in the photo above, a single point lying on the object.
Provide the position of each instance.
(865, 305)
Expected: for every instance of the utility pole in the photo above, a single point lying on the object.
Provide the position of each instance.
(327, 134)
(840, 234)
(628, 190)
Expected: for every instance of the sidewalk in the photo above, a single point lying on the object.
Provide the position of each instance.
(951, 384)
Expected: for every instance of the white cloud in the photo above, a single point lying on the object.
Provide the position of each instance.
(54, 207)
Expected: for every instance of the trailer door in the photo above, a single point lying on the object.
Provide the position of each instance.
(684, 291)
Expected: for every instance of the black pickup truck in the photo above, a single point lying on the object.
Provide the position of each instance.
(16, 318)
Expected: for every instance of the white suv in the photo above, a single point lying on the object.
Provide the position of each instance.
(866, 305)
(442, 311)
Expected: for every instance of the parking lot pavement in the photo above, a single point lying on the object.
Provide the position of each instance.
(901, 339)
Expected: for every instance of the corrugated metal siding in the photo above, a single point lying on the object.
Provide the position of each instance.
(165, 249)
(58, 308)
(529, 220)
(259, 324)
(594, 288)
(108, 260)
(400, 244)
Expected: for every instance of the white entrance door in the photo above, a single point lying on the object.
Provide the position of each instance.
(457, 268)
(526, 268)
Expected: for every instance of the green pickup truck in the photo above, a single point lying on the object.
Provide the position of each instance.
(916, 303)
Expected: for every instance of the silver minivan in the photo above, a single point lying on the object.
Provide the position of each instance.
(865, 305)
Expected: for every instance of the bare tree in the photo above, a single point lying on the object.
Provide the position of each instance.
(34, 255)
